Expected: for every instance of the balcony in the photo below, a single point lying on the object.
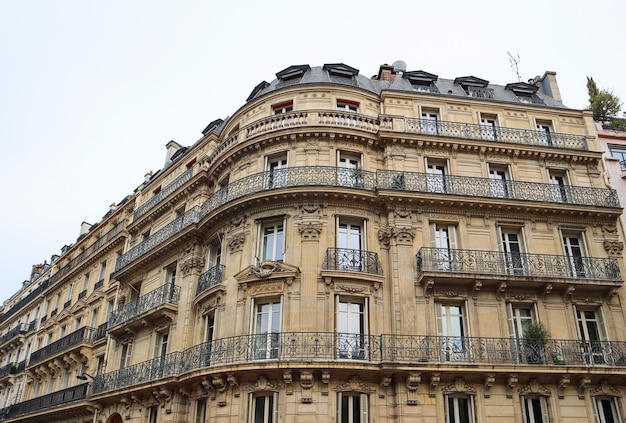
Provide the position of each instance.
(18, 330)
(7, 370)
(98, 285)
(497, 133)
(210, 278)
(150, 305)
(346, 259)
(78, 337)
(493, 188)
(45, 402)
(165, 192)
(500, 264)
(101, 332)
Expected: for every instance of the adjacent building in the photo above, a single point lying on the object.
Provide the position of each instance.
(345, 249)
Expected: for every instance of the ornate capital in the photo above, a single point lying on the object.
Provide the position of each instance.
(235, 243)
(613, 248)
(310, 230)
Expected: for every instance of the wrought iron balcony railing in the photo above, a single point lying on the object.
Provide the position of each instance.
(101, 332)
(12, 333)
(169, 189)
(82, 335)
(7, 370)
(352, 260)
(65, 396)
(210, 278)
(165, 294)
(516, 264)
(378, 349)
(494, 188)
(496, 133)
(98, 285)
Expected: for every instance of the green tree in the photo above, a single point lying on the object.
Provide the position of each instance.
(603, 103)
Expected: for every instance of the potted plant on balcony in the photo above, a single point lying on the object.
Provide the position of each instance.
(536, 336)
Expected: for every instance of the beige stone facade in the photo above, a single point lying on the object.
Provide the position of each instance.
(343, 249)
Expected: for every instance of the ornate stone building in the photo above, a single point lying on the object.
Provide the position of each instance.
(345, 249)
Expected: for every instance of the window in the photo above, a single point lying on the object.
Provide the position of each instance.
(619, 152)
(349, 173)
(429, 122)
(512, 246)
(215, 253)
(160, 346)
(94, 318)
(606, 410)
(591, 330)
(127, 350)
(544, 132)
(285, 107)
(436, 170)
(153, 414)
(201, 411)
(350, 245)
(520, 316)
(85, 282)
(209, 337)
(499, 176)
(460, 409)
(353, 407)
(574, 250)
(558, 182)
(351, 328)
(488, 127)
(170, 274)
(267, 322)
(272, 241)
(451, 328)
(78, 322)
(276, 168)
(110, 307)
(263, 408)
(443, 242)
(535, 409)
(348, 106)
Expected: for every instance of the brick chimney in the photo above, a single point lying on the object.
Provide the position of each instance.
(386, 73)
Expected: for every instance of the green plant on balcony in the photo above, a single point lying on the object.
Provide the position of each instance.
(536, 336)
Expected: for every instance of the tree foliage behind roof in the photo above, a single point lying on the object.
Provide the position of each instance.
(603, 103)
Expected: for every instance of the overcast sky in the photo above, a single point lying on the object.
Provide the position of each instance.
(91, 91)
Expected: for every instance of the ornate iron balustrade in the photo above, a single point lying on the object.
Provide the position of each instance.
(65, 396)
(82, 335)
(156, 199)
(12, 333)
(147, 371)
(516, 264)
(7, 370)
(352, 260)
(493, 188)
(82, 294)
(210, 278)
(20, 367)
(34, 294)
(165, 294)
(497, 133)
(98, 285)
(101, 332)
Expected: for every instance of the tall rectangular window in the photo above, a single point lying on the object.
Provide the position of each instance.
(349, 173)
(443, 243)
(276, 168)
(153, 414)
(430, 118)
(535, 409)
(351, 328)
(593, 333)
(272, 241)
(460, 409)
(85, 282)
(544, 132)
(125, 356)
(559, 185)
(436, 171)
(201, 410)
(160, 346)
(353, 407)
(575, 252)
(452, 330)
(512, 246)
(488, 127)
(170, 274)
(267, 322)
(606, 410)
(350, 253)
(103, 270)
(499, 180)
(263, 408)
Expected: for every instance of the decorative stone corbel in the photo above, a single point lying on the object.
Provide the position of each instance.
(490, 379)
(428, 285)
(501, 291)
(306, 382)
(583, 383)
(234, 384)
(510, 385)
(477, 286)
(288, 379)
(412, 383)
(384, 385)
(325, 382)
(435, 378)
(567, 294)
(563, 383)
(546, 291)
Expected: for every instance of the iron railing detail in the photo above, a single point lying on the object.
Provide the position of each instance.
(378, 349)
(495, 133)
(65, 396)
(101, 332)
(82, 335)
(98, 285)
(12, 333)
(352, 260)
(480, 92)
(516, 264)
(495, 188)
(169, 189)
(7, 370)
(210, 278)
(165, 294)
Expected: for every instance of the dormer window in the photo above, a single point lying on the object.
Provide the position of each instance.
(421, 81)
(293, 72)
(284, 107)
(348, 106)
(525, 93)
(339, 69)
(475, 87)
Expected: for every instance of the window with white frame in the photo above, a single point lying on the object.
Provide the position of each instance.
(127, 350)
(276, 169)
(201, 407)
(592, 332)
(272, 240)
(352, 328)
(443, 243)
(284, 107)
(452, 330)
(214, 257)
(266, 328)
(160, 344)
(85, 282)
(349, 173)
(170, 274)
(353, 407)
(263, 408)
(430, 119)
(559, 185)
(606, 410)
(535, 409)
(544, 132)
(513, 249)
(153, 414)
(459, 408)
(350, 253)
(520, 316)
(348, 105)
(573, 246)
(436, 171)
(499, 180)
(103, 271)
(488, 126)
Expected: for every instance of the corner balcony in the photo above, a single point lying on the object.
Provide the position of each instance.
(457, 263)
(149, 307)
(210, 278)
(493, 188)
(48, 402)
(349, 260)
(495, 133)
(84, 335)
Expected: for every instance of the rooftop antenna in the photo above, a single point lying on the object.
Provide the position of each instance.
(514, 62)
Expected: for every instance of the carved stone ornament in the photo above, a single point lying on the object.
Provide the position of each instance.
(459, 385)
(604, 388)
(236, 222)
(235, 243)
(353, 384)
(263, 384)
(533, 387)
(306, 382)
(403, 235)
(613, 248)
(189, 264)
(401, 212)
(310, 208)
(310, 230)
(412, 383)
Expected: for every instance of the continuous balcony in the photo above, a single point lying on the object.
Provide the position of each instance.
(346, 259)
(151, 305)
(495, 133)
(81, 336)
(46, 402)
(210, 278)
(327, 176)
(500, 264)
(165, 192)
(381, 350)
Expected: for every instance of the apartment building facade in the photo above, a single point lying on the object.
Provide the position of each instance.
(345, 249)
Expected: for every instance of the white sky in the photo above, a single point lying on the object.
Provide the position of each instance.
(91, 91)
